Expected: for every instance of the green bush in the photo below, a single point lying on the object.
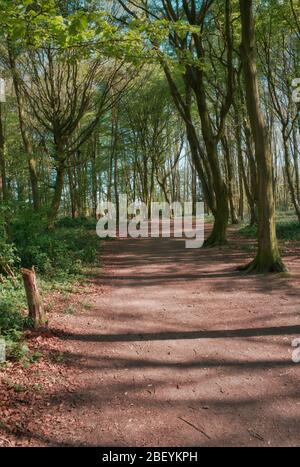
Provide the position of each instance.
(12, 300)
(70, 223)
(11, 321)
(8, 254)
(286, 230)
(8, 257)
(61, 250)
(16, 349)
(249, 231)
(57, 255)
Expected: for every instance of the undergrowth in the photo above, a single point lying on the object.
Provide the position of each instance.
(286, 230)
(59, 256)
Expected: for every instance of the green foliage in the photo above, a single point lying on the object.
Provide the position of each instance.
(69, 222)
(12, 299)
(29, 19)
(249, 231)
(58, 255)
(8, 256)
(11, 321)
(63, 250)
(286, 228)
(34, 357)
(16, 349)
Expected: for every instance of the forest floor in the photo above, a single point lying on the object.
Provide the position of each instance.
(165, 346)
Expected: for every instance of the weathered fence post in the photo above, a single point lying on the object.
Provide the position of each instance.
(35, 304)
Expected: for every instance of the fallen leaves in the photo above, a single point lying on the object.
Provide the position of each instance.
(30, 395)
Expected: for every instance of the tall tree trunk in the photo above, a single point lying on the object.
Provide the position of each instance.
(3, 182)
(109, 176)
(58, 189)
(253, 174)
(249, 192)
(228, 161)
(114, 156)
(268, 257)
(220, 207)
(164, 188)
(218, 234)
(194, 191)
(289, 176)
(296, 154)
(94, 179)
(241, 192)
(249, 186)
(72, 191)
(24, 133)
(116, 189)
(202, 169)
(33, 177)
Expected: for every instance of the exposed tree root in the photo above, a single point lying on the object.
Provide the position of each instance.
(262, 267)
(214, 241)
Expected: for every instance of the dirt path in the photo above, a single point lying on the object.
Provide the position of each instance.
(177, 349)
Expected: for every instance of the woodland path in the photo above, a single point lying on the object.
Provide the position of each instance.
(178, 349)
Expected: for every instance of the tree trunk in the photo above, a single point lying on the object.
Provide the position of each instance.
(3, 184)
(194, 191)
(289, 176)
(25, 137)
(94, 179)
(251, 194)
(116, 190)
(268, 257)
(218, 235)
(241, 179)
(33, 177)
(221, 215)
(35, 304)
(72, 190)
(241, 193)
(296, 154)
(230, 182)
(203, 172)
(56, 200)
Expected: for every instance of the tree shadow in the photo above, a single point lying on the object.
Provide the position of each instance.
(182, 335)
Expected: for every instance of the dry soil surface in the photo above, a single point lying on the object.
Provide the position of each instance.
(176, 348)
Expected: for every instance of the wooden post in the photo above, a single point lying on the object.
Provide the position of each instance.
(35, 304)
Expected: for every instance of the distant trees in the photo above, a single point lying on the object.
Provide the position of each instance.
(67, 98)
(157, 100)
(24, 124)
(197, 56)
(153, 135)
(233, 148)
